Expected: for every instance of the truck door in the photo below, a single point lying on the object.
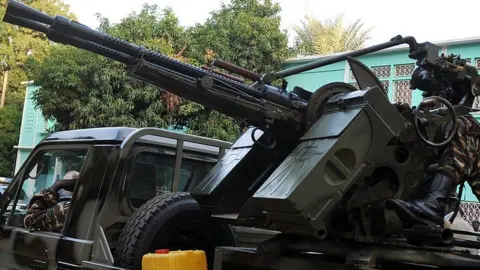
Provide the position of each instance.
(21, 248)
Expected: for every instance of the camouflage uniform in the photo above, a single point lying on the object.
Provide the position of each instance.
(44, 211)
(461, 158)
(458, 162)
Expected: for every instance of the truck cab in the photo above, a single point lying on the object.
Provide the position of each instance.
(131, 182)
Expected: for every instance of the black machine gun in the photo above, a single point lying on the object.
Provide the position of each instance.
(324, 160)
(447, 76)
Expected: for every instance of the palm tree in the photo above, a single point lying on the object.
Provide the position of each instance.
(330, 36)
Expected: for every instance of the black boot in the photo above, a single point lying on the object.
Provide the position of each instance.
(431, 210)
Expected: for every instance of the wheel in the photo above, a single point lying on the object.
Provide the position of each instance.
(431, 125)
(171, 221)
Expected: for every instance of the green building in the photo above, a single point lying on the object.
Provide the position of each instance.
(33, 128)
(392, 66)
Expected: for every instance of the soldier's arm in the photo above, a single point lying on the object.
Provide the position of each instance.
(42, 210)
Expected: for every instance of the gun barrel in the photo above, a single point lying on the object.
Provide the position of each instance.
(12, 19)
(336, 58)
(21, 10)
(206, 87)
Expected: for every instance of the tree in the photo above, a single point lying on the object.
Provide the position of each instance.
(330, 36)
(246, 33)
(79, 89)
(11, 117)
(17, 46)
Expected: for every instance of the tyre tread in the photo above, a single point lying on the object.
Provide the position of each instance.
(134, 229)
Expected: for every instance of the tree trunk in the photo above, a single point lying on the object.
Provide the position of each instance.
(4, 88)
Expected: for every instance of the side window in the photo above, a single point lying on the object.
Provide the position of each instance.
(192, 172)
(152, 174)
(42, 173)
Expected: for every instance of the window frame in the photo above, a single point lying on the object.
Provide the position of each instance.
(20, 178)
(131, 170)
(188, 185)
(140, 148)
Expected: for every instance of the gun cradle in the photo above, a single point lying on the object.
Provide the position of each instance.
(333, 155)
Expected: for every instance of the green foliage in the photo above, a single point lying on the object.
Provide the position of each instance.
(81, 90)
(18, 46)
(246, 33)
(159, 31)
(11, 117)
(330, 36)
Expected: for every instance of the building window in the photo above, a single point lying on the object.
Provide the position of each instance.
(471, 210)
(402, 91)
(29, 121)
(382, 72)
(385, 85)
(476, 103)
(477, 63)
(404, 70)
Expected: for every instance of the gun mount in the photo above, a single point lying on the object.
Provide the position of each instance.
(315, 165)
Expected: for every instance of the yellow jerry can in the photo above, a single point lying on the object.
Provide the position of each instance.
(165, 259)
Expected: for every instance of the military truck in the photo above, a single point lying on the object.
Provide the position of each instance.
(132, 181)
(318, 165)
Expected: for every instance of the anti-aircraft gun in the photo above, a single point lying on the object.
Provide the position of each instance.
(315, 166)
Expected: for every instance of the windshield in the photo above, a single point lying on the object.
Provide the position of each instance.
(3, 187)
(50, 167)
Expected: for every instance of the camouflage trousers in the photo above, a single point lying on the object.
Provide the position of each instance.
(44, 211)
(461, 158)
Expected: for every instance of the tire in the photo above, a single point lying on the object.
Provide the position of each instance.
(164, 222)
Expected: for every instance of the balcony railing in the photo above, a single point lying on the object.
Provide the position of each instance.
(471, 211)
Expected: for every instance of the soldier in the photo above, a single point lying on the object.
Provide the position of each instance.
(44, 211)
(460, 161)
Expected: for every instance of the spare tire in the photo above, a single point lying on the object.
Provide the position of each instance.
(172, 221)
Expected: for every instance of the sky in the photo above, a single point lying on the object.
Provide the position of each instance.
(425, 20)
